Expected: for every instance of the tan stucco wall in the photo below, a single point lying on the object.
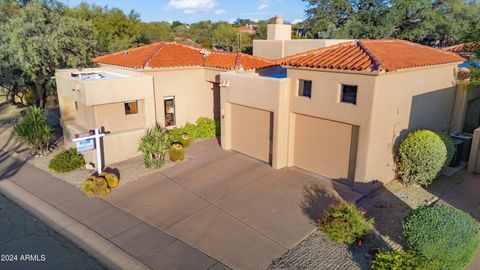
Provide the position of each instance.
(275, 49)
(193, 93)
(325, 103)
(279, 32)
(263, 93)
(474, 160)
(403, 101)
(113, 118)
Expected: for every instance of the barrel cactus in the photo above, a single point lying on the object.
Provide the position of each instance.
(184, 139)
(88, 187)
(111, 178)
(176, 152)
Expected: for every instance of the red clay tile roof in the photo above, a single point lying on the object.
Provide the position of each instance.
(464, 47)
(167, 54)
(381, 55)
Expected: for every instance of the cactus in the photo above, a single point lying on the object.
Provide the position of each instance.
(112, 179)
(184, 139)
(176, 152)
(88, 187)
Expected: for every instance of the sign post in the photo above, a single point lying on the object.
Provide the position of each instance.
(87, 142)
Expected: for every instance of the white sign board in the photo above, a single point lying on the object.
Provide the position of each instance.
(86, 142)
(85, 146)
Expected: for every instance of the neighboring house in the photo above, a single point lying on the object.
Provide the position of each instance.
(248, 29)
(162, 83)
(341, 109)
(468, 49)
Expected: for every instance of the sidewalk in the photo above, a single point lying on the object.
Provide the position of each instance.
(151, 246)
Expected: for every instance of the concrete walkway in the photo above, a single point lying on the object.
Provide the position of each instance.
(236, 209)
(151, 246)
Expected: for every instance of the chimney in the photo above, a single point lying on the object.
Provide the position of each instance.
(279, 30)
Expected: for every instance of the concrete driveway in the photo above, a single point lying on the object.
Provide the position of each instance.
(234, 208)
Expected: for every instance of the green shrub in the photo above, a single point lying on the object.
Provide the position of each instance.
(206, 127)
(66, 161)
(395, 260)
(345, 223)
(176, 152)
(421, 157)
(184, 140)
(445, 236)
(191, 130)
(449, 145)
(88, 187)
(34, 129)
(153, 146)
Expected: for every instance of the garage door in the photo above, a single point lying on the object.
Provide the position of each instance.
(325, 147)
(251, 131)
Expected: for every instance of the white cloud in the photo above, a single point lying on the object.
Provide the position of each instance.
(192, 6)
(263, 4)
(220, 11)
(297, 21)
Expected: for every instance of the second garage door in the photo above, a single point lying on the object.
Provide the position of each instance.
(251, 131)
(325, 147)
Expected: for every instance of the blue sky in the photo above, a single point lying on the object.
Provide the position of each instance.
(196, 10)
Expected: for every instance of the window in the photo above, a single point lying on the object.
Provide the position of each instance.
(131, 107)
(169, 106)
(305, 88)
(349, 94)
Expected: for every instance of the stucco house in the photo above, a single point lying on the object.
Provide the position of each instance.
(336, 111)
(165, 83)
(340, 110)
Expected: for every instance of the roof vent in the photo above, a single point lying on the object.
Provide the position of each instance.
(125, 53)
(204, 53)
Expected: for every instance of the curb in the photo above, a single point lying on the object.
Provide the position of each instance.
(107, 253)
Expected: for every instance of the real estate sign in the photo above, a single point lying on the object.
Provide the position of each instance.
(85, 145)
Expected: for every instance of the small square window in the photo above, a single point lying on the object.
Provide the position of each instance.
(349, 94)
(305, 88)
(131, 107)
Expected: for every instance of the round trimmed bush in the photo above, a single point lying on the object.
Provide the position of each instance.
(421, 157)
(449, 145)
(444, 236)
(345, 223)
(66, 161)
(176, 152)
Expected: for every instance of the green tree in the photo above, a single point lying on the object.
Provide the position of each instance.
(156, 31)
(225, 36)
(370, 20)
(114, 30)
(328, 17)
(42, 40)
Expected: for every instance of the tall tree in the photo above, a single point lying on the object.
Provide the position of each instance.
(42, 40)
(225, 36)
(369, 20)
(114, 29)
(327, 17)
(156, 31)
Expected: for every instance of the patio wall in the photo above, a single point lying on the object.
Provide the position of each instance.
(474, 162)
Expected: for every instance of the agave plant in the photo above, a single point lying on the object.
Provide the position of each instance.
(34, 129)
(153, 145)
